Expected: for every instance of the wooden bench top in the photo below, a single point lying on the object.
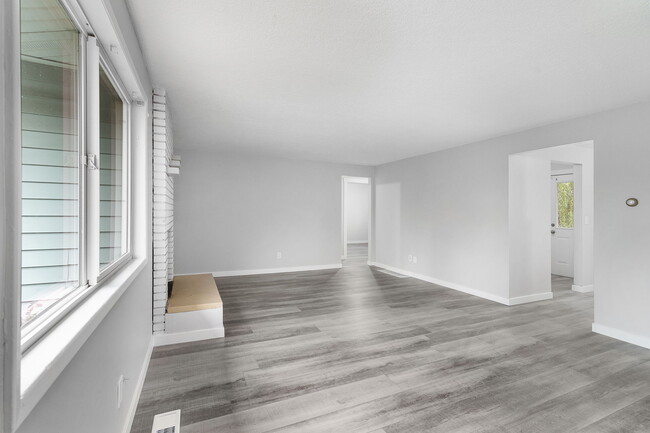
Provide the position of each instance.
(192, 293)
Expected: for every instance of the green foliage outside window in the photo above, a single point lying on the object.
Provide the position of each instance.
(565, 204)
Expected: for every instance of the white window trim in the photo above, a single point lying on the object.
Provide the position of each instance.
(126, 100)
(27, 377)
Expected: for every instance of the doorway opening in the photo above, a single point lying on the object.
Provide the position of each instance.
(355, 219)
(562, 216)
(551, 204)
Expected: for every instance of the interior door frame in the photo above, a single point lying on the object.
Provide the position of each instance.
(345, 180)
(564, 175)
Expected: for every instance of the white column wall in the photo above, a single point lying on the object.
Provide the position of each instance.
(530, 243)
(163, 209)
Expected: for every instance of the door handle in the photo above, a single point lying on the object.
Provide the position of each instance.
(552, 232)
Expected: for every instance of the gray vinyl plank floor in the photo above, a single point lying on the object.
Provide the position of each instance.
(359, 350)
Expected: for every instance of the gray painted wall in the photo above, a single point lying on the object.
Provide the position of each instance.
(235, 213)
(451, 209)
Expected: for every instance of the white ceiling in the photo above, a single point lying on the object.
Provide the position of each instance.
(374, 81)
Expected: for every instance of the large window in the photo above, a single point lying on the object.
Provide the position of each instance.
(50, 156)
(66, 245)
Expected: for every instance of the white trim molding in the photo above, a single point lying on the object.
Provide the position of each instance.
(618, 334)
(447, 284)
(583, 289)
(269, 270)
(138, 389)
(518, 300)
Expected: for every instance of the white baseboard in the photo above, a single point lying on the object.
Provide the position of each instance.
(357, 242)
(188, 336)
(518, 300)
(269, 270)
(628, 337)
(450, 285)
(133, 406)
(583, 289)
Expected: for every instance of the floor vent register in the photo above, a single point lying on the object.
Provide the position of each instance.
(168, 422)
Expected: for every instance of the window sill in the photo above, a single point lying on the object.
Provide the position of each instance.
(47, 358)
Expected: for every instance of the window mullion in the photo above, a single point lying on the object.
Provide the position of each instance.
(83, 274)
(92, 160)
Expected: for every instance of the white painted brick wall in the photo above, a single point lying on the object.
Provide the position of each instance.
(163, 209)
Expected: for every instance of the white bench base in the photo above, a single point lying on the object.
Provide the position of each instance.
(191, 326)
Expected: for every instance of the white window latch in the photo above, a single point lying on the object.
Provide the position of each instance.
(91, 161)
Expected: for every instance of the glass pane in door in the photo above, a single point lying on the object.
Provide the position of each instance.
(565, 204)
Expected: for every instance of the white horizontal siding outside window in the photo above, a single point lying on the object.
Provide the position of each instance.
(75, 208)
(51, 149)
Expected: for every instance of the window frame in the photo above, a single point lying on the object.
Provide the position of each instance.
(30, 374)
(35, 329)
(90, 277)
(119, 87)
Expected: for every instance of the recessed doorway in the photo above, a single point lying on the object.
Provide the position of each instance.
(356, 216)
(551, 204)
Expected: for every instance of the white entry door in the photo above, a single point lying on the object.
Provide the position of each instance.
(561, 229)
